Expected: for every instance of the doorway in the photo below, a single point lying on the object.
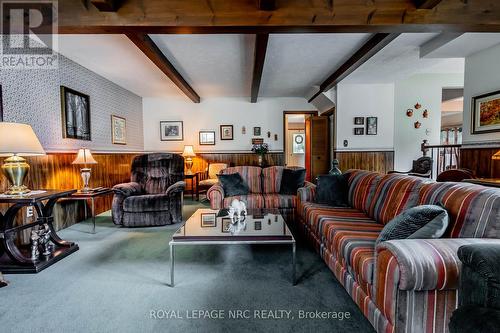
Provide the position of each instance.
(294, 137)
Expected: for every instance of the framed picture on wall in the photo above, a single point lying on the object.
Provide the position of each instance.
(371, 125)
(118, 130)
(486, 113)
(75, 114)
(359, 131)
(226, 132)
(171, 131)
(207, 138)
(256, 131)
(208, 220)
(359, 120)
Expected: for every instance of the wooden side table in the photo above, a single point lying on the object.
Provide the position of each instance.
(14, 259)
(90, 196)
(194, 182)
(492, 182)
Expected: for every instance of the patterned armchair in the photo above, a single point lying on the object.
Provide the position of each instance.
(153, 197)
(208, 178)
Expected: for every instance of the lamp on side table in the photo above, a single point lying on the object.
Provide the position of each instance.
(85, 157)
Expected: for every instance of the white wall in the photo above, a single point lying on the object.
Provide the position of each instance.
(33, 96)
(365, 100)
(426, 89)
(213, 112)
(482, 75)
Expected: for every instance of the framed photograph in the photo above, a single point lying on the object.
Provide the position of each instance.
(208, 220)
(118, 130)
(486, 113)
(226, 132)
(75, 114)
(359, 131)
(171, 130)
(256, 131)
(371, 125)
(258, 225)
(226, 223)
(207, 138)
(359, 120)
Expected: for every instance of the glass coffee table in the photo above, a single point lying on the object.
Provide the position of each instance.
(206, 227)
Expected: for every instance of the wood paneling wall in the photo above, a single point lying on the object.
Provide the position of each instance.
(200, 162)
(479, 161)
(380, 161)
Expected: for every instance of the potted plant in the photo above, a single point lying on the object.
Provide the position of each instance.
(261, 150)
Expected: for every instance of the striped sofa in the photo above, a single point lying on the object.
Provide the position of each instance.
(401, 285)
(264, 184)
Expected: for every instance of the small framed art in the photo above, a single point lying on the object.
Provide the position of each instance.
(256, 131)
(371, 125)
(171, 130)
(118, 130)
(226, 132)
(207, 138)
(359, 120)
(486, 113)
(208, 220)
(226, 223)
(359, 131)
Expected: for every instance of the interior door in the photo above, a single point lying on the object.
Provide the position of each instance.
(317, 147)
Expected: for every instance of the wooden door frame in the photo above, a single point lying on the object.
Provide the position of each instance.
(285, 113)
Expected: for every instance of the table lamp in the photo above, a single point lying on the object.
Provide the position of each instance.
(188, 155)
(85, 157)
(18, 140)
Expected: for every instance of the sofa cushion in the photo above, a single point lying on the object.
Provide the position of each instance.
(291, 181)
(147, 203)
(233, 184)
(394, 193)
(426, 221)
(331, 190)
(250, 174)
(251, 200)
(362, 186)
(474, 210)
(280, 201)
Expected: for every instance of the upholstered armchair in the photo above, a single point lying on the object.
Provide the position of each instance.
(153, 197)
(208, 178)
(479, 290)
(421, 168)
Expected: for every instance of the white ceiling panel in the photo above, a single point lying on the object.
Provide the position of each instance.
(466, 44)
(214, 65)
(295, 62)
(117, 59)
(401, 59)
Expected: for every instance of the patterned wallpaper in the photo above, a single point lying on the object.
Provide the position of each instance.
(33, 97)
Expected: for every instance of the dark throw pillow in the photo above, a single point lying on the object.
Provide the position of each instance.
(426, 221)
(292, 180)
(233, 185)
(332, 190)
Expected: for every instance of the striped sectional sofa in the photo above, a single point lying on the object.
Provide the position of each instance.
(401, 285)
(264, 184)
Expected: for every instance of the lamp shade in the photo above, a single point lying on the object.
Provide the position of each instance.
(188, 151)
(84, 156)
(496, 156)
(19, 139)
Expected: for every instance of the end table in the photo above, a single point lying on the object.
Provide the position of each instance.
(194, 183)
(90, 196)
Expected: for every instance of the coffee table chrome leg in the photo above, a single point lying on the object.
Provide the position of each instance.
(294, 280)
(172, 257)
(93, 214)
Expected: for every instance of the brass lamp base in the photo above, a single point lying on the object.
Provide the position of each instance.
(189, 165)
(16, 169)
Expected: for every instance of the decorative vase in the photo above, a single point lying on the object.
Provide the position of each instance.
(335, 168)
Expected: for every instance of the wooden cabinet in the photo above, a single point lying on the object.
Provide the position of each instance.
(317, 146)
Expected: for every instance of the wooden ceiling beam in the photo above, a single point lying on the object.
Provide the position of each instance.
(258, 64)
(106, 5)
(151, 50)
(426, 4)
(376, 43)
(266, 5)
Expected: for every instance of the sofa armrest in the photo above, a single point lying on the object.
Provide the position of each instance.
(307, 192)
(422, 264)
(127, 189)
(176, 188)
(480, 275)
(216, 196)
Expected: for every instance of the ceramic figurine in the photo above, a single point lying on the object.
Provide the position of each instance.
(417, 124)
(268, 134)
(425, 114)
(409, 112)
(275, 137)
(34, 245)
(418, 106)
(335, 168)
(243, 130)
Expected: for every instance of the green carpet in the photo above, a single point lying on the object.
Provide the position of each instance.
(118, 278)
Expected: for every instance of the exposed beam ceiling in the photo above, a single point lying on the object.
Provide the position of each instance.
(258, 64)
(437, 42)
(266, 4)
(149, 48)
(107, 5)
(368, 50)
(426, 4)
(243, 16)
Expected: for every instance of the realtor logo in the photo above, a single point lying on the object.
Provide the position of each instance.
(29, 30)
